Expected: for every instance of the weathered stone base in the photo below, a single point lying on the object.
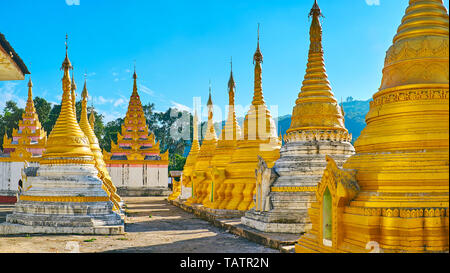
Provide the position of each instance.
(207, 213)
(141, 192)
(281, 241)
(10, 229)
(293, 228)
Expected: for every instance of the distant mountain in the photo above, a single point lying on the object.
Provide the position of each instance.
(355, 116)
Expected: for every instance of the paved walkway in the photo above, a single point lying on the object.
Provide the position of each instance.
(152, 226)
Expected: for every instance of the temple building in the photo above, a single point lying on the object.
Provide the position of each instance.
(27, 144)
(11, 65)
(64, 195)
(11, 161)
(286, 191)
(226, 145)
(135, 164)
(202, 171)
(188, 169)
(393, 194)
(259, 139)
(88, 130)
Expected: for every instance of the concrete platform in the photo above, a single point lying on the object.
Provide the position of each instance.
(284, 242)
(10, 229)
(142, 192)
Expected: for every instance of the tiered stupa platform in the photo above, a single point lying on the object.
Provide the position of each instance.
(135, 164)
(286, 191)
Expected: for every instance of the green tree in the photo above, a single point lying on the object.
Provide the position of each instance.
(176, 162)
(43, 108)
(10, 119)
(110, 133)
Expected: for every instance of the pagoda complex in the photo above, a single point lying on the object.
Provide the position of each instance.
(186, 177)
(27, 144)
(202, 171)
(226, 145)
(393, 194)
(285, 191)
(135, 163)
(259, 139)
(64, 194)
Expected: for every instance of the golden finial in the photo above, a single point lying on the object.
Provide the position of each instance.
(66, 62)
(84, 93)
(231, 83)
(315, 11)
(258, 57)
(209, 99)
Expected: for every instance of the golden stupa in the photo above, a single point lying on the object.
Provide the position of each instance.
(226, 145)
(67, 142)
(100, 165)
(187, 179)
(202, 171)
(393, 194)
(64, 195)
(259, 139)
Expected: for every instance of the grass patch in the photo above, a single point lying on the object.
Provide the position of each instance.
(122, 239)
(90, 240)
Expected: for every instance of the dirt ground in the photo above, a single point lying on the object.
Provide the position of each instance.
(152, 226)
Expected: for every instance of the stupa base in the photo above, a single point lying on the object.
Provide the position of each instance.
(276, 222)
(63, 218)
(11, 229)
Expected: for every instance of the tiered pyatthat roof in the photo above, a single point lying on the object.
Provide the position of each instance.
(135, 142)
(30, 139)
(316, 108)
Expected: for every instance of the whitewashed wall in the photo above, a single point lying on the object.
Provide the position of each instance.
(139, 176)
(10, 173)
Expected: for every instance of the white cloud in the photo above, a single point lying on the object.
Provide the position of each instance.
(373, 2)
(180, 106)
(119, 102)
(146, 90)
(8, 92)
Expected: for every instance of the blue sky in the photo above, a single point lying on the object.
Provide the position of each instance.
(180, 45)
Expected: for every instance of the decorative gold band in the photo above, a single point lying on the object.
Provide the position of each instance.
(66, 161)
(407, 212)
(293, 189)
(72, 199)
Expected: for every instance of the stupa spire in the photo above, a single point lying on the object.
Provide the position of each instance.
(73, 87)
(258, 98)
(231, 131)
(316, 106)
(30, 104)
(211, 132)
(67, 140)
